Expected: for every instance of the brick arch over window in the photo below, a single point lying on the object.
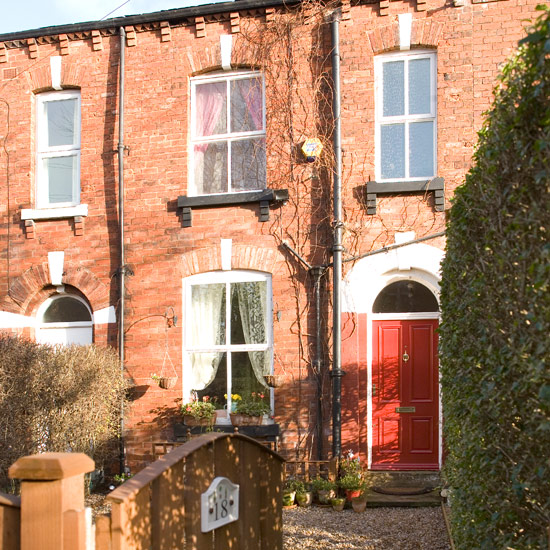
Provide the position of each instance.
(24, 289)
(424, 34)
(40, 78)
(250, 257)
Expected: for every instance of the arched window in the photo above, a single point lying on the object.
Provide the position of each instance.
(405, 297)
(64, 320)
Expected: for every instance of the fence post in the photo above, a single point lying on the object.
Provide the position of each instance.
(52, 484)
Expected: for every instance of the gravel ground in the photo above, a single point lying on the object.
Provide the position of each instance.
(374, 529)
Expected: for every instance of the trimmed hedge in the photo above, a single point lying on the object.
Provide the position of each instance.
(495, 335)
(58, 399)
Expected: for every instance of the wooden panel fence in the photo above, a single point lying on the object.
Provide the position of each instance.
(158, 509)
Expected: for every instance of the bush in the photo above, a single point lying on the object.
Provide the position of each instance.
(496, 318)
(58, 399)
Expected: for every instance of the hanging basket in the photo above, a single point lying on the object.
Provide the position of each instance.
(167, 382)
(272, 380)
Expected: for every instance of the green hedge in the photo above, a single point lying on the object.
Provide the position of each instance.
(495, 335)
(58, 399)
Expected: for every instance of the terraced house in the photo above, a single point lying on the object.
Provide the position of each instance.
(250, 197)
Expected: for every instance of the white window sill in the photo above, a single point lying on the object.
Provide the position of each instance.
(54, 213)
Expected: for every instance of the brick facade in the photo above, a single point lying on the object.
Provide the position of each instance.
(472, 40)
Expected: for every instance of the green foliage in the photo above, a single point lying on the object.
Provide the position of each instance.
(200, 408)
(322, 484)
(496, 311)
(58, 399)
(255, 405)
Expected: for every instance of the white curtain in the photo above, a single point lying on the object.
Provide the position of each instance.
(252, 307)
(206, 308)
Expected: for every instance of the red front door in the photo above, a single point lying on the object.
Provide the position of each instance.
(405, 402)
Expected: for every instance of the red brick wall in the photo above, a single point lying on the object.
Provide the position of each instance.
(472, 42)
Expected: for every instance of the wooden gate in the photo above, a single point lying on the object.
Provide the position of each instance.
(160, 507)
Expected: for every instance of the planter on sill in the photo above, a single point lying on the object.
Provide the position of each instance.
(238, 419)
(190, 420)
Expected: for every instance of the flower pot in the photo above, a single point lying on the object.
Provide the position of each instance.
(190, 420)
(359, 504)
(337, 504)
(304, 499)
(288, 498)
(325, 495)
(167, 382)
(352, 493)
(238, 419)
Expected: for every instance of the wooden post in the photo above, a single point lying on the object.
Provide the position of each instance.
(52, 484)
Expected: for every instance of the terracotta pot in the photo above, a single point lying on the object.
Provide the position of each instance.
(359, 504)
(190, 420)
(238, 419)
(352, 493)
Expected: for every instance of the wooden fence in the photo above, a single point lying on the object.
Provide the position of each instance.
(158, 509)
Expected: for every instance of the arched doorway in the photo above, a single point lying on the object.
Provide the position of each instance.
(405, 378)
(64, 319)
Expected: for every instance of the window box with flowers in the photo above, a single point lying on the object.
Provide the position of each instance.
(199, 412)
(250, 410)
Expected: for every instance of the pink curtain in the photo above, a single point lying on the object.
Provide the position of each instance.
(209, 101)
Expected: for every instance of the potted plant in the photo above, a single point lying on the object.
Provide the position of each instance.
(337, 503)
(351, 478)
(250, 410)
(199, 412)
(290, 488)
(324, 489)
(359, 503)
(304, 496)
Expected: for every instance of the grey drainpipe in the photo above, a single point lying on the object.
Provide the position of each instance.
(337, 249)
(122, 268)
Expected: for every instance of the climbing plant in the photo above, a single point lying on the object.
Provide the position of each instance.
(495, 304)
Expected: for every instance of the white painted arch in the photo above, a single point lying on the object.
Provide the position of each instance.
(418, 262)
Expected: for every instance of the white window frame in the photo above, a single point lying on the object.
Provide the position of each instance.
(225, 277)
(230, 136)
(43, 328)
(43, 151)
(405, 119)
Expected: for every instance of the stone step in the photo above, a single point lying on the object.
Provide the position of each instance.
(377, 500)
(405, 478)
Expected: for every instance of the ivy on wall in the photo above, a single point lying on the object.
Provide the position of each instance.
(495, 345)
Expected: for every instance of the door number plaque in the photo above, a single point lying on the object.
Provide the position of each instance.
(219, 504)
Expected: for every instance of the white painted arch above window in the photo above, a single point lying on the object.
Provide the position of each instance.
(417, 262)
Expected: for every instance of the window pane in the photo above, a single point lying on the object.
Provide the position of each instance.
(207, 319)
(248, 312)
(246, 105)
(421, 149)
(248, 164)
(61, 172)
(392, 154)
(246, 378)
(66, 310)
(211, 167)
(404, 297)
(419, 86)
(209, 373)
(61, 117)
(211, 109)
(393, 88)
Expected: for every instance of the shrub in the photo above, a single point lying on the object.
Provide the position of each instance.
(496, 317)
(58, 399)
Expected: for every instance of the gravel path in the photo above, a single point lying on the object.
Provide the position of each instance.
(374, 529)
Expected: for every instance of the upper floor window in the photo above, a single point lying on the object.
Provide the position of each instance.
(228, 133)
(405, 116)
(58, 149)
